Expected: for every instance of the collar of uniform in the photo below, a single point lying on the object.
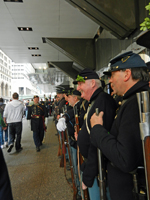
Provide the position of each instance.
(76, 103)
(138, 87)
(62, 99)
(36, 104)
(95, 94)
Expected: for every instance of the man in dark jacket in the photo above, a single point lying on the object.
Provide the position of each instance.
(123, 146)
(90, 87)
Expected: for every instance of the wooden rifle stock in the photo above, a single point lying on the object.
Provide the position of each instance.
(76, 119)
(144, 111)
(147, 158)
(63, 157)
(59, 148)
(71, 167)
(63, 151)
(101, 168)
(85, 192)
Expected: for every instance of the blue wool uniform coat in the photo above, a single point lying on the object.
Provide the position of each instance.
(105, 103)
(123, 146)
(70, 120)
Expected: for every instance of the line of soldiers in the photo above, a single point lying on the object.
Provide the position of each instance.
(69, 100)
(105, 136)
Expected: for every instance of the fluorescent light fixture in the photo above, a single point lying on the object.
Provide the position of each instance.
(25, 29)
(36, 55)
(33, 48)
(17, 1)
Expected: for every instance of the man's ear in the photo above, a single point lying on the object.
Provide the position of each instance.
(127, 75)
(93, 83)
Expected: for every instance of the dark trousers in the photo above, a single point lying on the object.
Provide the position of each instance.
(38, 137)
(15, 131)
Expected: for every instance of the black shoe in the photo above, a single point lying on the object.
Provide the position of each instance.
(37, 149)
(18, 150)
(10, 148)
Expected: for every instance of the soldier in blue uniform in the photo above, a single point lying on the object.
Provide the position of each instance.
(36, 113)
(90, 87)
(62, 101)
(69, 119)
(123, 145)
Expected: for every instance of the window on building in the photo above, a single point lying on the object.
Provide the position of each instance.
(4, 64)
(5, 58)
(21, 90)
(1, 55)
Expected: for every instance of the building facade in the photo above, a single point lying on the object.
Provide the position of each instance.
(5, 76)
(20, 80)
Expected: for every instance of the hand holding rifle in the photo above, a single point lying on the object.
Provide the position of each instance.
(97, 119)
(76, 135)
(84, 187)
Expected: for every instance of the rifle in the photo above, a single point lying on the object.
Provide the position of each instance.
(84, 192)
(63, 158)
(61, 146)
(71, 167)
(101, 168)
(144, 111)
(59, 149)
(66, 142)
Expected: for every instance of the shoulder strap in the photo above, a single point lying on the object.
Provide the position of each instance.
(82, 105)
(40, 108)
(89, 108)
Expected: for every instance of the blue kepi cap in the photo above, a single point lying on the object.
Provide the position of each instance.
(126, 60)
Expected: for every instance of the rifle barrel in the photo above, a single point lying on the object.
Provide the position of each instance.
(139, 104)
(85, 192)
(145, 101)
(71, 166)
(144, 112)
(102, 185)
(147, 158)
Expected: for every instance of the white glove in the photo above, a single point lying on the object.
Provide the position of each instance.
(61, 114)
(61, 125)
